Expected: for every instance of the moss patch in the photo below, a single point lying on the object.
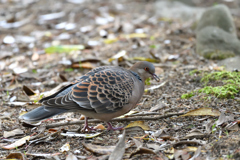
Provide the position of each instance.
(217, 54)
(188, 95)
(222, 84)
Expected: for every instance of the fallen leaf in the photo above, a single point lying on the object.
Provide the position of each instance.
(47, 155)
(17, 104)
(18, 143)
(181, 154)
(135, 131)
(142, 150)
(119, 150)
(99, 149)
(109, 41)
(100, 127)
(203, 112)
(73, 134)
(145, 59)
(118, 55)
(233, 126)
(160, 105)
(127, 114)
(197, 153)
(71, 156)
(14, 132)
(64, 48)
(222, 119)
(16, 156)
(65, 148)
(139, 124)
(134, 35)
(195, 134)
(137, 142)
(85, 65)
(28, 91)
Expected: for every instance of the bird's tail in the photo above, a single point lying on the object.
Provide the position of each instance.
(41, 113)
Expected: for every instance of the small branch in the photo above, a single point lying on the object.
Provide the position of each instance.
(116, 119)
(150, 113)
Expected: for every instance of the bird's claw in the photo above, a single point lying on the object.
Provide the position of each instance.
(87, 128)
(110, 127)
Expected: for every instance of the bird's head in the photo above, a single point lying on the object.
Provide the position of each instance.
(145, 70)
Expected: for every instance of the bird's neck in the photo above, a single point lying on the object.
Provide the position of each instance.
(136, 75)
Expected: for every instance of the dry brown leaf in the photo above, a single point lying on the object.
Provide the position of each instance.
(195, 134)
(100, 127)
(142, 150)
(16, 156)
(98, 148)
(203, 112)
(139, 124)
(28, 91)
(85, 65)
(127, 114)
(145, 59)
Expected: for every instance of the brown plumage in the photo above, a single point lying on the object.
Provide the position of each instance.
(103, 93)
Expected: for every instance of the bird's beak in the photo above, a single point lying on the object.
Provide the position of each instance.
(156, 77)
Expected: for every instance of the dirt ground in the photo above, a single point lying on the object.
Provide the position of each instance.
(105, 30)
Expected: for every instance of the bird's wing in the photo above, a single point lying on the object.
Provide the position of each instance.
(65, 90)
(105, 91)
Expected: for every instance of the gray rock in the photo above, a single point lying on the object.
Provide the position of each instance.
(177, 10)
(218, 16)
(216, 34)
(214, 38)
(231, 63)
(187, 2)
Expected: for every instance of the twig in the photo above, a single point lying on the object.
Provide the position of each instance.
(116, 119)
(147, 114)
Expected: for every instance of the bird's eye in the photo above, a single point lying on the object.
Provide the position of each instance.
(146, 68)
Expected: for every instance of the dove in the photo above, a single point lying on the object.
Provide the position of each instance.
(103, 93)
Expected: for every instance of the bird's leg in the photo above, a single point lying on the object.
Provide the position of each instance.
(110, 127)
(86, 127)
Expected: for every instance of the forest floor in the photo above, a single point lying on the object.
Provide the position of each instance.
(41, 50)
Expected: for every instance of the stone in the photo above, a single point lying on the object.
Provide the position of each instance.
(231, 63)
(216, 34)
(213, 39)
(177, 10)
(218, 16)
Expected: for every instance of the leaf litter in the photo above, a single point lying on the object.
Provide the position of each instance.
(52, 46)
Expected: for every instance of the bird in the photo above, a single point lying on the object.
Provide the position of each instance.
(103, 93)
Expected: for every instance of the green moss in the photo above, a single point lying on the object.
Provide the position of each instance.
(186, 96)
(217, 54)
(226, 91)
(228, 84)
(194, 71)
(227, 76)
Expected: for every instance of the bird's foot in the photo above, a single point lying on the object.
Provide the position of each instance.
(110, 127)
(87, 128)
